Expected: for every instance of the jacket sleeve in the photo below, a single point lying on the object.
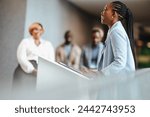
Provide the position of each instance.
(119, 48)
(22, 58)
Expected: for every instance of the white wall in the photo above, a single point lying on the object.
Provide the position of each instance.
(57, 16)
(12, 18)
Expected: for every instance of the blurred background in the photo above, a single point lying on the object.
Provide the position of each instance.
(57, 16)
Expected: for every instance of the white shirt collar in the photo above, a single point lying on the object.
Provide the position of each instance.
(32, 39)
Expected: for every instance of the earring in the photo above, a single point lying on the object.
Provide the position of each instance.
(112, 17)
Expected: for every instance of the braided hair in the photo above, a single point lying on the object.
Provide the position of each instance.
(126, 18)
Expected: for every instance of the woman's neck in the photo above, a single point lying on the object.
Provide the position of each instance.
(112, 23)
(37, 41)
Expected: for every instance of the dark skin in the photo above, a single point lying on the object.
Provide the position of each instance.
(68, 39)
(96, 38)
(108, 16)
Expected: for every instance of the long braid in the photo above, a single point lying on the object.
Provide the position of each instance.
(126, 18)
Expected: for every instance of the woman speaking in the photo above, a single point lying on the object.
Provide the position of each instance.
(118, 55)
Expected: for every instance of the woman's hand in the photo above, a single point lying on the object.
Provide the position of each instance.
(34, 72)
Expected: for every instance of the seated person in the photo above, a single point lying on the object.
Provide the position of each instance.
(92, 53)
(68, 53)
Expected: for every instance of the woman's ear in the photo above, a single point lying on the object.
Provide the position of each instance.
(113, 14)
(116, 14)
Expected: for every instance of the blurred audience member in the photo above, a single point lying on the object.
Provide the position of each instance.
(91, 54)
(28, 52)
(31, 48)
(68, 53)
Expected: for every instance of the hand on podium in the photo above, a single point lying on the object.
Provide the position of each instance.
(34, 72)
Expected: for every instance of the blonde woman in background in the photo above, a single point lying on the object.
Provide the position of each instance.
(28, 52)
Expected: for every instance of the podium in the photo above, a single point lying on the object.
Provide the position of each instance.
(57, 81)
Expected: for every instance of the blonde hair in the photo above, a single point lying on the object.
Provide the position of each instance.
(32, 26)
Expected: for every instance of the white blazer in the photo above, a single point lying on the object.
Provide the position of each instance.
(117, 55)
